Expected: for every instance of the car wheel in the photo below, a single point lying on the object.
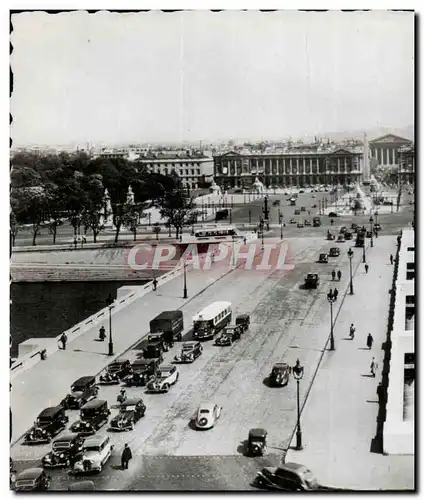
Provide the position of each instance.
(165, 388)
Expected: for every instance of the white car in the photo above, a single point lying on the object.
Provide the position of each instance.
(207, 415)
(96, 451)
(166, 376)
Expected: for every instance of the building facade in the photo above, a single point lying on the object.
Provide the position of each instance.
(383, 150)
(294, 167)
(406, 162)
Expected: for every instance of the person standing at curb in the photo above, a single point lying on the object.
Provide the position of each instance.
(391, 259)
(126, 457)
(102, 333)
(352, 331)
(339, 275)
(370, 341)
(366, 268)
(63, 339)
(373, 367)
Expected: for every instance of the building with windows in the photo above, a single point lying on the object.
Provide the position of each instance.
(300, 165)
(406, 162)
(383, 150)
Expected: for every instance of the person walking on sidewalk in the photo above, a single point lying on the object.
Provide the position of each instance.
(352, 331)
(333, 275)
(370, 341)
(391, 259)
(373, 367)
(339, 275)
(63, 339)
(366, 268)
(102, 333)
(336, 293)
(155, 284)
(126, 456)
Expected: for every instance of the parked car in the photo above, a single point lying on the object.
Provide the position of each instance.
(311, 280)
(166, 376)
(340, 238)
(280, 375)
(64, 451)
(49, 423)
(34, 479)
(334, 252)
(333, 214)
(229, 335)
(96, 452)
(207, 415)
(142, 370)
(300, 224)
(82, 390)
(292, 221)
(244, 321)
(287, 477)
(129, 414)
(189, 352)
(308, 222)
(93, 416)
(323, 258)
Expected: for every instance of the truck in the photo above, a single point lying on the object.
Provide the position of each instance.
(360, 239)
(170, 324)
(316, 221)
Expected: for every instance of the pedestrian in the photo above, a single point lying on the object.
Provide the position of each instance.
(244, 240)
(373, 367)
(370, 341)
(102, 333)
(63, 339)
(366, 268)
(155, 284)
(391, 259)
(352, 331)
(126, 457)
(339, 275)
(336, 293)
(333, 275)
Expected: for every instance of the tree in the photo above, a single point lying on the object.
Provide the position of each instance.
(32, 203)
(91, 218)
(157, 229)
(177, 209)
(14, 228)
(55, 206)
(131, 217)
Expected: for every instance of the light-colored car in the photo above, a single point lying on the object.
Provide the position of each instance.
(166, 376)
(207, 415)
(96, 452)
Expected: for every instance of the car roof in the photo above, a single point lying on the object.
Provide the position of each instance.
(131, 402)
(191, 343)
(291, 466)
(65, 437)
(244, 316)
(166, 368)
(95, 440)
(281, 365)
(206, 406)
(258, 432)
(141, 362)
(84, 380)
(50, 412)
(95, 403)
(31, 473)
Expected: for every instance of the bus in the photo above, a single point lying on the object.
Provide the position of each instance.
(211, 320)
(216, 232)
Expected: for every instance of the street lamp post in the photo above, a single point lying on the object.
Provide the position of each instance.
(250, 216)
(371, 221)
(350, 255)
(297, 371)
(109, 303)
(331, 298)
(261, 226)
(363, 253)
(231, 220)
(185, 282)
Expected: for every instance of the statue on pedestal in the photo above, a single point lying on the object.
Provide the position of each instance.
(258, 187)
(130, 196)
(215, 189)
(107, 215)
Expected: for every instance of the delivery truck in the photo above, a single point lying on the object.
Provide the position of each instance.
(168, 324)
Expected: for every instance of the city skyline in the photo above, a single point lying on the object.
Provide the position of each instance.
(211, 75)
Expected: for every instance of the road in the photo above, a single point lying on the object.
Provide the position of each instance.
(287, 323)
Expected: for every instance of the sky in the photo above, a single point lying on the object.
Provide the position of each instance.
(110, 78)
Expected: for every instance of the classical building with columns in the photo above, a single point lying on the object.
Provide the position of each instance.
(383, 150)
(297, 166)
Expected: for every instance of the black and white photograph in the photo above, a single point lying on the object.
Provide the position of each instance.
(212, 250)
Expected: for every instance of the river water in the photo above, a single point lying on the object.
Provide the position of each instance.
(47, 309)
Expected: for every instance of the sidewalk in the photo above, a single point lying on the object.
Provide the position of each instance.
(47, 382)
(339, 419)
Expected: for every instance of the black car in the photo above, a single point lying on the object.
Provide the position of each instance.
(287, 477)
(256, 442)
(64, 451)
(129, 414)
(229, 335)
(189, 352)
(333, 214)
(49, 423)
(323, 258)
(334, 252)
(34, 479)
(141, 371)
(164, 339)
(82, 390)
(153, 351)
(280, 375)
(244, 321)
(119, 367)
(312, 280)
(93, 416)
(221, 214)
(368, 234)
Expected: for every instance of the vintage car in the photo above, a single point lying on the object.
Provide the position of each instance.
(330, 237)
(280, 375)
(292, 221)
(166, 376)
(107, 378)
(354, 226)
(323, 258)
(333, 214)
(276, 203)
(300, 224)
(368, 234)
(256, 442)
(311, 280)
(64, 451)
(129, 414)
(153, 351)
(343, 229)
(308, 222)
(207, 415)
(287, 477)
(244, 321)
(162, 338)
(303, 209)
(93, 416)
(82, 486)
(348, 235)
(96, 452)
(334, 252)
(49, 423)
(142, 370)
(297, 211)
(377, 227)
(340, 238)
(34, 479)
(120, 367)
(82, 390)
(314, 205)
(229, 335)
(189, 352)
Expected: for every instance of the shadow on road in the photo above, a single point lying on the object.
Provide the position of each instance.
(242, 448)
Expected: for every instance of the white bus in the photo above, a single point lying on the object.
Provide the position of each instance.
(211, 320)
(216, 232)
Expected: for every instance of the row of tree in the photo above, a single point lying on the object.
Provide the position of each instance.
(48, 189)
